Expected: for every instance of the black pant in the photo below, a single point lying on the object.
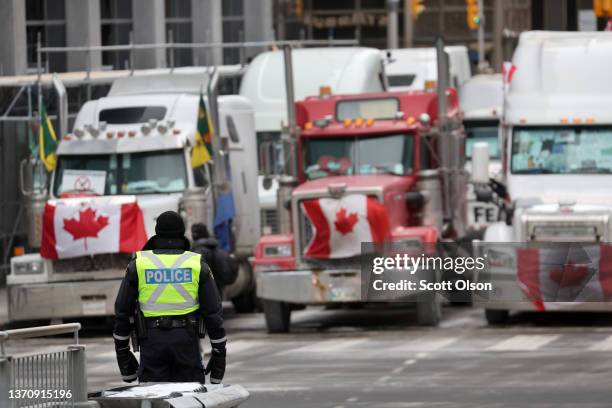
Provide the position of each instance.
(170, 356)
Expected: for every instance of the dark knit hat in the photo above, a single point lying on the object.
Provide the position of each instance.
(170, 225)
(199, 230)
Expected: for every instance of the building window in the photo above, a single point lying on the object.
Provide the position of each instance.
(178, 21)
(116, 25)
(233, 29)
(46, 18)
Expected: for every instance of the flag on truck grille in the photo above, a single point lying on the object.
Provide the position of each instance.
(565, 273)
(47, 140)
(341, 225)
(73, 228)
(201, 153)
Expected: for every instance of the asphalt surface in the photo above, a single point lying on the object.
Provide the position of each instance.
(380, 358)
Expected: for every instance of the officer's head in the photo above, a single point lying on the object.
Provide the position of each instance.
(170, 225)
(169, 233)
(199, 231)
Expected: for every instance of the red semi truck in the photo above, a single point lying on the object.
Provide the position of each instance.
(362, 161)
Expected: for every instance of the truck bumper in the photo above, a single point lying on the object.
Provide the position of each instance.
(310, 286)
(59, 300)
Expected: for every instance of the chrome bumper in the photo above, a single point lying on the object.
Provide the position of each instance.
(59, 300)
(310, 286)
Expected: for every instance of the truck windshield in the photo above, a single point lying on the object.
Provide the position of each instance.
(482, 131)
(562, 150)
(161, 171)
(348, 156)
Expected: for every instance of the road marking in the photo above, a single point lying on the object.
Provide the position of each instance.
(425, 344)
(398, 370)
(383, 379)
(524, 343)
(604, 345)
(409, 362)
(326, 346)
(352, 399)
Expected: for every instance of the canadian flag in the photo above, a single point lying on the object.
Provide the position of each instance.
(341, 225)
(74, 228)
(508, 71)
(571, 273)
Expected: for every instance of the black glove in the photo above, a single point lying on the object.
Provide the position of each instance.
(128, 365)
(216, 366)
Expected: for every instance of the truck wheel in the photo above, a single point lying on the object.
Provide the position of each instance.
(497, 317)
(278, 316)
(245, 303)
(429, 313)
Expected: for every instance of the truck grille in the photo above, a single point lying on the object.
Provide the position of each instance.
(92, 263)
(269, 218)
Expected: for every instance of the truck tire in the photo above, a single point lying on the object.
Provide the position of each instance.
(278, 316)
(497, 317)
(245, 303)
(429, 313)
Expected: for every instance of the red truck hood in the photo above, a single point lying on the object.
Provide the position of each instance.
(383, 182)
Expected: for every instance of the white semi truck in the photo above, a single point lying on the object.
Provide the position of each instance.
(416, 69)
(557, 164)
(345, 70)
(134, 145)
(481, 100)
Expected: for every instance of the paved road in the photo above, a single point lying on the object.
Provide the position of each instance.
(373, 357)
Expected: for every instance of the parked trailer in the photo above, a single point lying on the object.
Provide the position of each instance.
(134, 146)
(556, 156)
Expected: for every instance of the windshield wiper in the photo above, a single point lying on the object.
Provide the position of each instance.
(385, 170)
(533, 171)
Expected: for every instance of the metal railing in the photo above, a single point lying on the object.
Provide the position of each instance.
(52, 379)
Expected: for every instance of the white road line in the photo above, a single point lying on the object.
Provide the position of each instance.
(425, 344)
(409, 362)
(383, 379)
(604, 345)
(326, 346)
(352, 399)
(524, 343)
(398, 370)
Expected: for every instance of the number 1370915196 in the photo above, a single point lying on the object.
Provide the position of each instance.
(39, 394)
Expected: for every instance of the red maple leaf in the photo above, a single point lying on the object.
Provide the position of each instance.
(570, 275)
(87, 226)
(344, 223)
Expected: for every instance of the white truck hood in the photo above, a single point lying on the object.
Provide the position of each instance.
(529, 190)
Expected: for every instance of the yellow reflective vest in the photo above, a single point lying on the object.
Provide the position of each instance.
(168, 283)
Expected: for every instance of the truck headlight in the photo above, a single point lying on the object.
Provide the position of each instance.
(278, 250)
(28, 268)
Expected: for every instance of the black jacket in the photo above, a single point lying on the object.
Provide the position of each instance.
(210, 311)
(223, 267)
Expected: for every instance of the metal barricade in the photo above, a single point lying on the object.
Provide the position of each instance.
(50, 380)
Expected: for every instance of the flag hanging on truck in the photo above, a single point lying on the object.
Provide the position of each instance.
(341, 225)
(201, 153)
(47, 140)
(73, 228)
(565, 273)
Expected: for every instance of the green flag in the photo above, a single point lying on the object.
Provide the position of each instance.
(200, 154)
(47, 141)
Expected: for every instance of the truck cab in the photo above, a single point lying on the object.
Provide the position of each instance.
(346, 70)
(375, 150)
(133, 146)
(557, 142)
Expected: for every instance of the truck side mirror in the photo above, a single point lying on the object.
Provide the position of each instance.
(480, 163)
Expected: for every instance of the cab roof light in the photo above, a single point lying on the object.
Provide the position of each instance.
(370, 122)
(66, 138)
(176, 131)
(145, 129)
(120, 134)
(358, 122)
(325, 91)
(430, 85)
(577, 120)
(161, 128)
(522, 121)
(109, 135)
(565, 121)
(411, 120)
(348, 122)
(131, 133)
(590, 120)
(308, 126)
(79, 133)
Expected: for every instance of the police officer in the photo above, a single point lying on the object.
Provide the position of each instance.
(177, 299)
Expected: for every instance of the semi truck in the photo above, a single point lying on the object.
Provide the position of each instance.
(390, 151)
(556, 159)
(132, 150)
(345, 70)
(481, 100)
(410, 69)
